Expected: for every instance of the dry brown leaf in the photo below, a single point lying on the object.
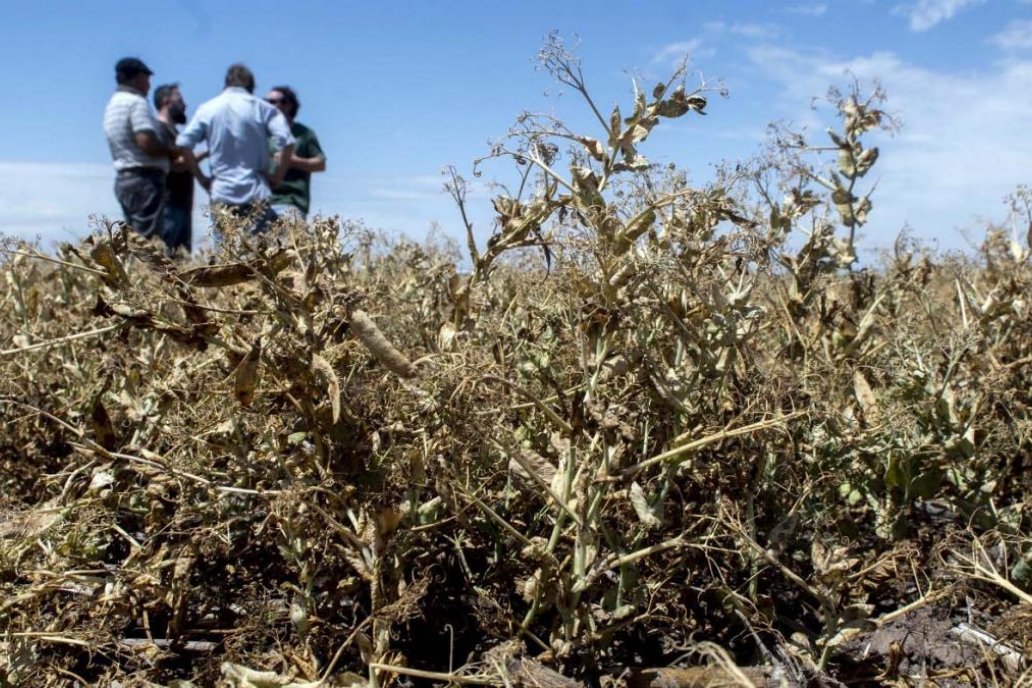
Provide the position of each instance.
(247, 375)
(100, 423)
(646, 512)
(541, 466)
(323, 368)
(105, 256)
(865, 396)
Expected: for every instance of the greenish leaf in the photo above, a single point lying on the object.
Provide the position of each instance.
(926, 485)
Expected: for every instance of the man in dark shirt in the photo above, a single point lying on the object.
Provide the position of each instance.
(293, 195)
(177, 221)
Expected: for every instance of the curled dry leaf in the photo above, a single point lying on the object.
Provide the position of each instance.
(100, 422)
(105, 256)
(531, 461)
(247, 375)
(323, 368)
(648, 513)
(865, 397)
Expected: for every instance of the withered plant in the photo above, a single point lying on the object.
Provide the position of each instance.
(653, 423)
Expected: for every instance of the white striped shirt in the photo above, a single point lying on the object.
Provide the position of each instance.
(126, 115)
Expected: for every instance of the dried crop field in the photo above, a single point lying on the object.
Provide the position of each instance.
(656, 435)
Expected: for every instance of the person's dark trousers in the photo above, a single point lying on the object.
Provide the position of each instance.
(141, 193)
(177, 228)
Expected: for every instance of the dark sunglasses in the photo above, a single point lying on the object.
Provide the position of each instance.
(273, 101)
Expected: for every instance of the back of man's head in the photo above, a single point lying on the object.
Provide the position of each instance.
(241, 76)
(163, 93)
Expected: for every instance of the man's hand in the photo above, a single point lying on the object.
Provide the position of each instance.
(189, 161)
(179, 164)
(282, 159)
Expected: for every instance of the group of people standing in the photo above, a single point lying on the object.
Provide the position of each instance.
(260, 158)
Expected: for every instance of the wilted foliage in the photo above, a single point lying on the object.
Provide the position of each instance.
(650, 427)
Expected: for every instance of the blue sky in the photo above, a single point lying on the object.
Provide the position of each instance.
(398, 90)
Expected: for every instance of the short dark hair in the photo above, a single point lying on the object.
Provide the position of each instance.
(239, 75)
(163, 93)
(290, 98)
(128, 68)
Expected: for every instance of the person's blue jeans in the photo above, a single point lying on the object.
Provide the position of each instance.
(177, 228)
(141, 193)
(287, 211)
(259, 215)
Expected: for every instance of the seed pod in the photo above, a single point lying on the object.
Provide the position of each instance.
(381, 349)
(218, 275)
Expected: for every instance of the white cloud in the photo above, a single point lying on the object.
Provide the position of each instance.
(786, 65)
(964, 143)
(675, 52)
(745, 29)
(713, 33)
(54, 201)
(925, 14)
(813, 9)
(1016, 35)
(754, 30)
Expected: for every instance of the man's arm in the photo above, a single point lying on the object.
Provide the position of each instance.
(316, 162)
(194, 132)
(149, 143)
(282, 141)
(283, 158)
(313, 164)
(145, 131)
(189, 161)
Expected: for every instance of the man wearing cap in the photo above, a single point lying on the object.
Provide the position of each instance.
(141, 159)
(238, 128)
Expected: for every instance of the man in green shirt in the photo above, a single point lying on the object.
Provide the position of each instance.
(293, 194)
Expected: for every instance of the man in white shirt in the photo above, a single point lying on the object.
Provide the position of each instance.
(141, 159)
(238, 128)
